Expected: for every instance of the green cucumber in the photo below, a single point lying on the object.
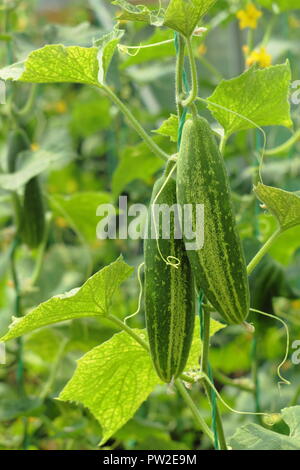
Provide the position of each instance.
(169, 293)
(219, 266)
(33, 217)
(17, 142)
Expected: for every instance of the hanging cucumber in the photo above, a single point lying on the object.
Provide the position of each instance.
(219, 266)
(17, 142)
(169, 292)
(33, 217)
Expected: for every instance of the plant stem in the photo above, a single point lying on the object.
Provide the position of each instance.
(232, 382)
(264, 249)
(128, 330)
(223, 144)
(28, 106)
(179, 74)
(285, 147)
(190, 403)
(194, 91)
(134, 122)
(204, 368)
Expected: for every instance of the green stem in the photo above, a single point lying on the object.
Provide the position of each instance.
(128, 330)
(232, 382)
(18, 314)
(194, 91)
(134, 122)
(269, 30)
(264, 249)
(179, 74)
(27, 108)
(204, 368)
(190, 403)
(222, 145)
(285, 147)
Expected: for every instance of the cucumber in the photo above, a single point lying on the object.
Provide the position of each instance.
(169, 294)
(219, 266)
(33, 217)
(17, 142)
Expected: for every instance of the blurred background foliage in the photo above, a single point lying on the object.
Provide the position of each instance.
(97, 158)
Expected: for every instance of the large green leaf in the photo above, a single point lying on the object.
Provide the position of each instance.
(184, 15)
(255, 437)
(92, 299)
(57, 63)
(113, 379)
(180, 15)
(258, 95)
(284, 205)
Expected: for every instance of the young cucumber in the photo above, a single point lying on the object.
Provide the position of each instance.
(17, 142)
(33, 217)
(219, 266)
(169, 292)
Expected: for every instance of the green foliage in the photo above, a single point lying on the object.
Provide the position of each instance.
(255, 437)
(256, 98)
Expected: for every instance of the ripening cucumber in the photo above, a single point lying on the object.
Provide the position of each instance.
(33, 216)
(169, 293)
(219, 266)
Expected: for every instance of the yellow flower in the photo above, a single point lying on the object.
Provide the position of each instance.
(61, 222)
(260, 57)
(60, 107)
(249, 17)
(34, 146)
(202, 49)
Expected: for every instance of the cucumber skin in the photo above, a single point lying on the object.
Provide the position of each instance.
(33, 217)
(219, 267)
(169, 297)
(17, 142)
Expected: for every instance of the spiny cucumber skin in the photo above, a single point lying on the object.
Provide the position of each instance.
(169, 296)
(33, 219)
(219, 266)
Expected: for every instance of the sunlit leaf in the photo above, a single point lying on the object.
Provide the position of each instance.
(255, 437)
(92, 299)
(257, 96)
(184, 15)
